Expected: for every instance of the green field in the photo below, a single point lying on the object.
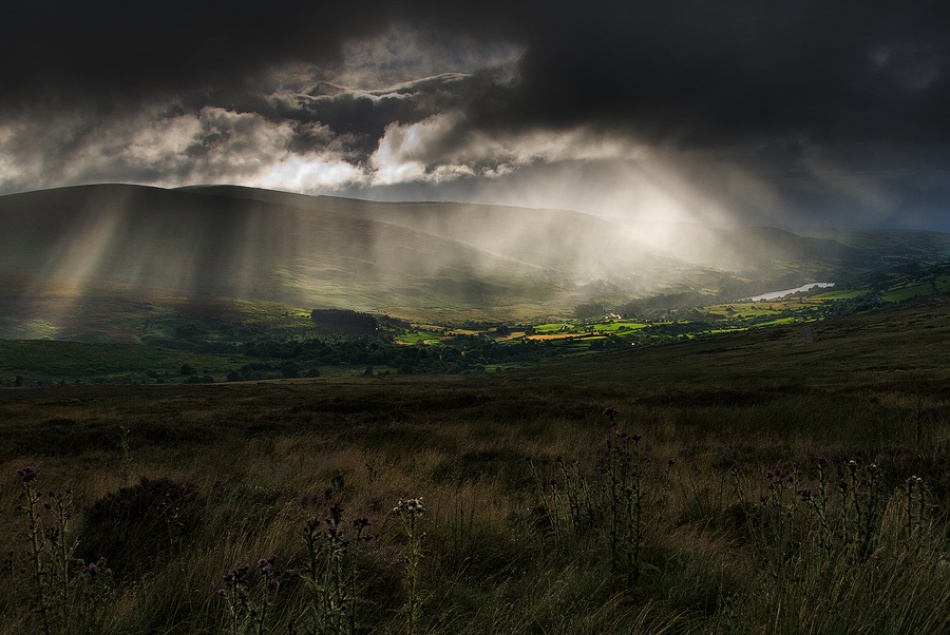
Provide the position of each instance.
(218, 340)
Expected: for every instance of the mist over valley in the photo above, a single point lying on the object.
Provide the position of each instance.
(67, 248)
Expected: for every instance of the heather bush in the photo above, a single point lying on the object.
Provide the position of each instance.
(161, 514)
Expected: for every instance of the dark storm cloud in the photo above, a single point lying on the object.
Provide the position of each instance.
(798, 105)
(707, 72)
(141, 49)
(689, 71)
(126, 49)
(366, 114)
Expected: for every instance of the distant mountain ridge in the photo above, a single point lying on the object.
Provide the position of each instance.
(570, 236)
(186, 243)
(406, 259)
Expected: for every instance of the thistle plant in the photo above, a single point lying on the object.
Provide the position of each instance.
(97, 589)
(248, 594)
(622, 468)
(844, 554)
(770, 518)
(609, 508)
(70, 594)
(126, 449)
(855, 521)
(567, 498)
(915, 493)
(849, 522)
(332, 609)
(582, 513)
(410, 512)
(37, 547)
(818, 503)
(862, 500)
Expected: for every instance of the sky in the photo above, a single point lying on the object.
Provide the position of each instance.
(768, 112)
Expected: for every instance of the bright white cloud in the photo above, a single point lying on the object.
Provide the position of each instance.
(441, 147)
(208, 146)
(300, 174)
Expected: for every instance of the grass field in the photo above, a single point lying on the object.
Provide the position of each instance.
(742, 483)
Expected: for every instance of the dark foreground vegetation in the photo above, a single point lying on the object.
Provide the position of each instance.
(740, 483)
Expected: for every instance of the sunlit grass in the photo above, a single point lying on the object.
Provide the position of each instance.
(840, 295)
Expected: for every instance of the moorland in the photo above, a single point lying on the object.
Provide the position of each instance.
(214, 455)
(744, 482)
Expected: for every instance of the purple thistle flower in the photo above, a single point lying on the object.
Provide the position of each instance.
(27, 473)
(222, 592)
(92, 568)
(274, 584)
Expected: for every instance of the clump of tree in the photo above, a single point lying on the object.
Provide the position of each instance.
(589, 310)
(344, 319)
(387, 321)
(459, 355)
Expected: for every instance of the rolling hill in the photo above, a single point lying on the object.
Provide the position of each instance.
(103, 248)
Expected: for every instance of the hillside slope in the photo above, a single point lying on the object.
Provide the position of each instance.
(176, 243)
(110, 245)
(585, 245)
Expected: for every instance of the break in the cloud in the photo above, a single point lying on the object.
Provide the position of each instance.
(801, 112)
